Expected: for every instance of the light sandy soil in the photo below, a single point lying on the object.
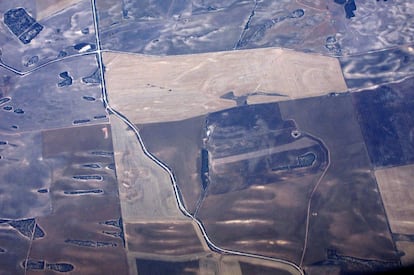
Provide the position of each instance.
(397, 191)
(145, 189)
(153, 89)
(46, 8)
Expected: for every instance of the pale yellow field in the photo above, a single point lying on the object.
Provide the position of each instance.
(45, 8)
(145, 189)
(397, 190)
(154, 89)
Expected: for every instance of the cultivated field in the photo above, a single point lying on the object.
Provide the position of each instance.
(179, 145)
(46, 8)
(408, 249)
(145, 189)
(153, 89)
(349, 216)
(396, 187)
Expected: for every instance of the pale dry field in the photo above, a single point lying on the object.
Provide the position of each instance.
(145, 189)
(151, 89)
(46, 8)
(397, 190)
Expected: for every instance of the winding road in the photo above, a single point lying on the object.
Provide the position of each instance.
(282, 264)
(293, 268)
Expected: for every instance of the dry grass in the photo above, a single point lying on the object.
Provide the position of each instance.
(396, 187)
(45, 8)
(145, 189)
(155, 89)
